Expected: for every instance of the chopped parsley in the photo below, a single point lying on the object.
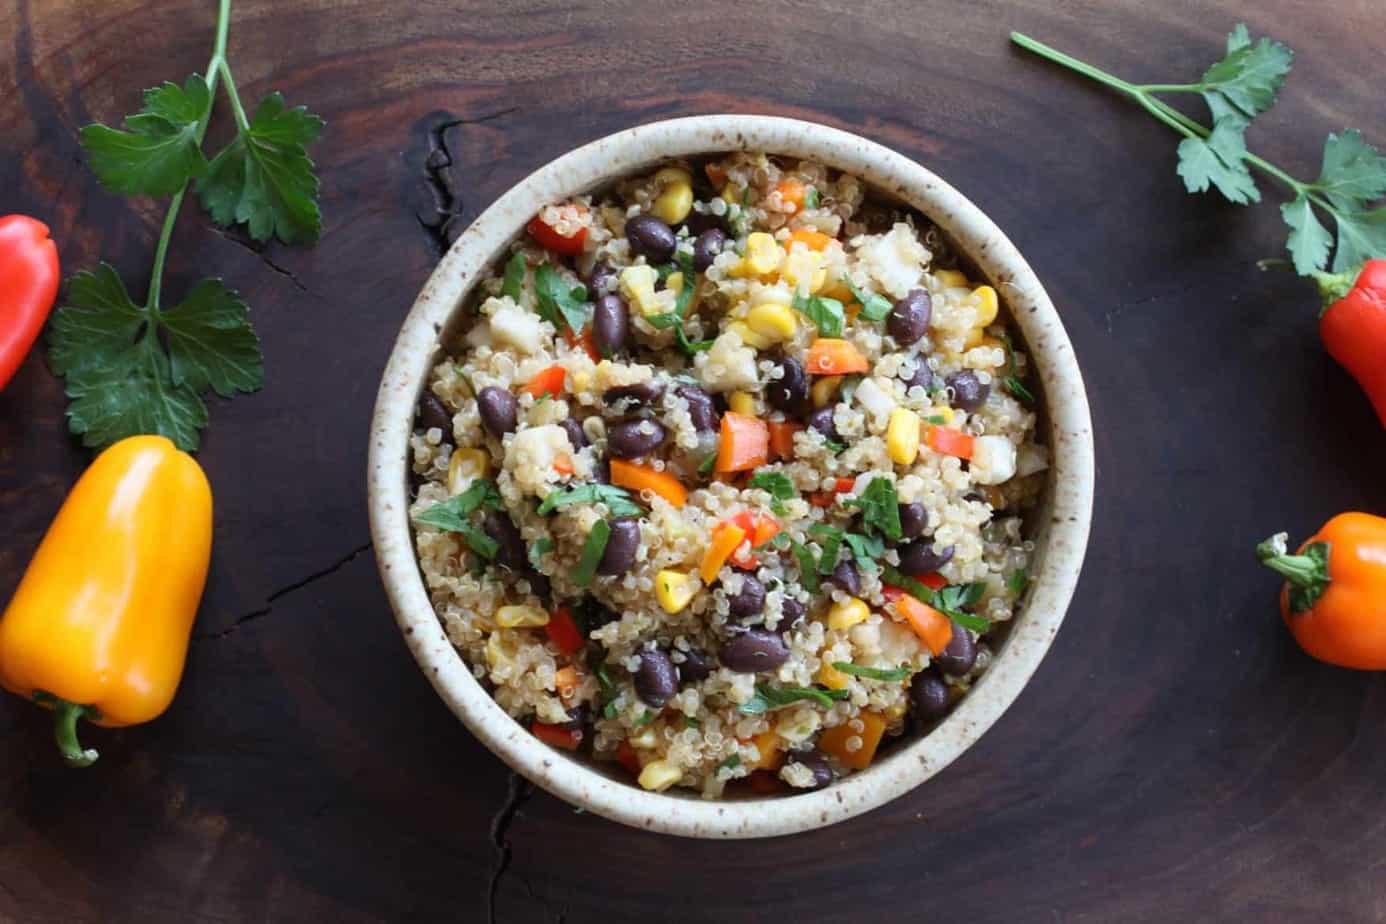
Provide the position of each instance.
(936, 419)
(865, 549)
(948, 601)
(811, 197)
(1017, 581)
(830, 538)
(514, 277)
(454, 515)
(880, 508)
(778, 486)
(690, 722)
(705, 467)
(617, 500)
(676, 317)
(834, 445)
(729, 764)
(874, 673)
(1011, 382)
(558, 304)
(645, 719)
(808, 567)
(768, 697)
(592, 551)
(541, 548)
(825, 312)
(873, 307)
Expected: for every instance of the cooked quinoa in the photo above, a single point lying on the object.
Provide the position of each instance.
(724, 476)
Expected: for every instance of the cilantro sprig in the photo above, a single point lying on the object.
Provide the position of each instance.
(874, 673)
(1239, 87)
(617, 500)
(827, 313)
(559, 303)
(778, 486)
(767, 698)
(142, 368)
(880, 508)
(455, 515)
(873, 307)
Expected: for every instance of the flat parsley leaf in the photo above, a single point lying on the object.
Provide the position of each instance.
(559, 304)
(778, 486)
(454, 512)
(617, 500)
(1218, 160)
(1361, 236)
(1354, 172)
(160, 152)
(768, 697)
(1309, 241)
(827, 313)
(1246, 80)
(880, 508)
(592, 551)
(811, 198)
(874, 673)
(830, 538)
(1017, 581)
(124, 381)
(873, 307)
(808, 567)
(264, 178)
(515, 269)
(865, 549)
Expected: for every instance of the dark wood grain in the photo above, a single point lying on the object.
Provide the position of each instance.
(1175, 757)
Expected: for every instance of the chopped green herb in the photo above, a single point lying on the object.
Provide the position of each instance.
(808, 567)
(830, 538)
(936, 419)
(811, 198)
(1011, 382)
(1017, 581)
(617, 500)
(957, 597)
(610, 711)
(452, 514)
(768, 697)
(730, 763)
(558, 304)
(873, 307)
(874, 673)
(514, 283)
(849, 387)
(834, 445)
(880, 508)
(645, 719)
(921, 592)
(541, 548)
(865, 549)
(705, 467)
(690, 722)
(779, 487)
(592, 551)
(825, 312)
(676, 317)
(664, 271)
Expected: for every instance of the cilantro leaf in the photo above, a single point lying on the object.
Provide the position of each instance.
(1218, 160)
(539, 549)
(264, 178)
(617, 500)
(1017, 581)
(873, 307)
(865, 549)
(161, 151)
(825, 312)
(730, 763)
(1353, 173)
(515, 269)
(1361, 236)
(778, 486)
(557, 303)
(874, 673)
(811, 197)
(1309, 240)
(453, 513)
(592, 551)
(706, 466)
(831, 542)
(880, 508)
(808, 567)
(1247, 79)
(767, 697)
(211, 343)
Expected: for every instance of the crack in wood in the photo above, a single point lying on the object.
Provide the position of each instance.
(264, 257)
(441, 224)
(287, 589)
(518, 791)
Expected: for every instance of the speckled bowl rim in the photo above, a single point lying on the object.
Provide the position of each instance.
(1061, 537)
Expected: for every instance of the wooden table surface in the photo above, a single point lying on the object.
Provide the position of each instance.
(1175, 757)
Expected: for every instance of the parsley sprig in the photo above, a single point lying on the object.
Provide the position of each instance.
(134, 368)
(767, 697)
(1239, 87)
(617, 500)
(454, 515)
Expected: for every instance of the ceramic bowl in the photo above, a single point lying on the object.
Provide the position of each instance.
(1059, 525)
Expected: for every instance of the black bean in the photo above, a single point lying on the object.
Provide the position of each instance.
(928, 696)
(822, 421)
(698, 223)
(923, 377)
(579, 717)
(539, 584)
(968, 391)
(707, 246)
(633, 396)
(497, 408)
(651, 237)
(753, 651)
(959, 655)
(631, 439)
(847, 579)
(749, 601)
(611, 325)
(696, 665)
(789, 392)
(656, 679)
(914, 519)
(792, 612)
(922, 557)
(510, 545)
(909, 319)
(434, 413)
(621, 547)
(601, 472)
(601, 280)
(573, 427)
(701, 409)
(816, 762)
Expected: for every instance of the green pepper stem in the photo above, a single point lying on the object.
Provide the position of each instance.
(1306, 573)
(1333, 286)
(65, 716)
(1299, 570)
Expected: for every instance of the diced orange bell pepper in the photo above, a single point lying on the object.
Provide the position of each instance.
(725, 539)
(771, 757)
(813, 240)
(563, 464)
(950, 442)
(638, 477)
(830, 356)
(563, 631)
(547, 382)
(932, 627)
(556, 735)
(791, 190)
(744, 443)
(834, 741)
(565, 681)
(782, 438)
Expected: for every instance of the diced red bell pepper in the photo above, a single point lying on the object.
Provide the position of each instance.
(550, 239)
(547, 382)
(556, 735)
(626, 757)
(584, 340)
(933, 581)
(563, 631)
(950, 442)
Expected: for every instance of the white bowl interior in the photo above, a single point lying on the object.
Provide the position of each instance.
(1059, 524)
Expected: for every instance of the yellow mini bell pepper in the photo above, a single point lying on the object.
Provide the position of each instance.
(99, 626)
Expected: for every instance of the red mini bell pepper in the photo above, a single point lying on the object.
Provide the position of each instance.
(1353, 327)
(28, 286)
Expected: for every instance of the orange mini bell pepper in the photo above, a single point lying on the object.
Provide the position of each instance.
(99, 626)
(1334, 598)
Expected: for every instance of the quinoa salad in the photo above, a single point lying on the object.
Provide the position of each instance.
(722, 477)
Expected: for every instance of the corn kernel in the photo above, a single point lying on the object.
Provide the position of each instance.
(847, 614)
(902, 436)
(804, 266)
(975, 337)
(466, 466)
(521, 616)
(773, 321)
(675, 200)
(659, 775)
(762, 258)
(674, 590)
(742, 403)
(824, 390)
(749, 337)
(638, 284)
(987, 305)
(499, 648)
(950, 279)
(832, 678)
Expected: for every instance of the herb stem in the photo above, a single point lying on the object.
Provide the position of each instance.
(214, 68)
(1171, 87)
(234, 96)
